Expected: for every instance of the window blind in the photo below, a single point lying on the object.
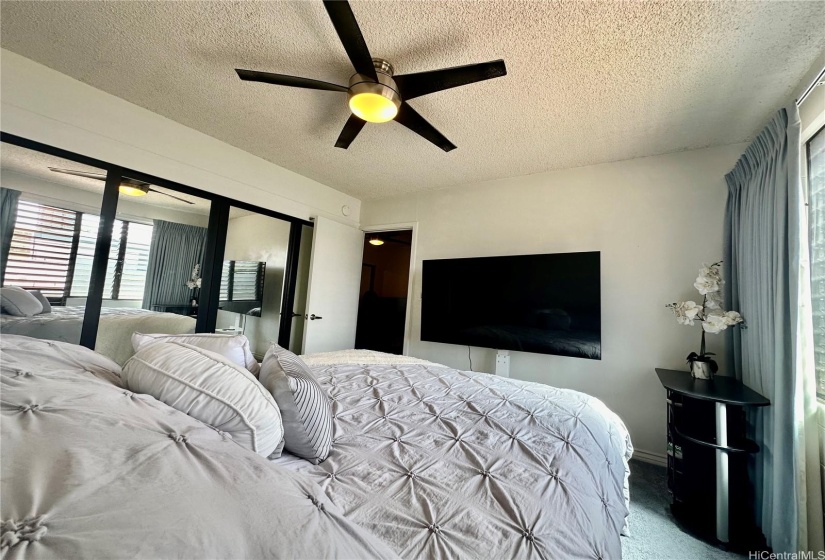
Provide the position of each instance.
(135, 261)
(52, 251)
(246, 281)
(816, 200)
(85, 253)
(41, 249)
(227, 266)
(242, 281)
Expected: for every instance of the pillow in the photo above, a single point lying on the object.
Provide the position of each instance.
(232, 347)
(304, 405)
(47, 307)
(207, 386)
(19, 302)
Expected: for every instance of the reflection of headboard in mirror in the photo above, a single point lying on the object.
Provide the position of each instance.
(242, 287)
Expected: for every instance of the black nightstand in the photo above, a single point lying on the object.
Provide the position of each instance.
(707, 450)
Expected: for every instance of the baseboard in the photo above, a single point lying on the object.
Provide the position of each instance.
(648, 457)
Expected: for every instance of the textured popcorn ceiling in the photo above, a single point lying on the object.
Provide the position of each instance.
(588, 82)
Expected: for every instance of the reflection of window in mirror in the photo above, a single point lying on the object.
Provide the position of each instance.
(156, 258)
(50, 208)
(252, 278)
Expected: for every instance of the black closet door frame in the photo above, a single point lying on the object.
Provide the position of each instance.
(215, 240)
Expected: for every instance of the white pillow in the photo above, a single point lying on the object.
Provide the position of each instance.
(47, 307)
(207, 386)
(19, 302)
(232, 347)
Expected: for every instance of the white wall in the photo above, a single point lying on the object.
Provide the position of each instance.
(42, 104)
(263, 239)
(655, 220)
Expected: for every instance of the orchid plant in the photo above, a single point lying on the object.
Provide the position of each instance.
(195, 280)
(709, 313)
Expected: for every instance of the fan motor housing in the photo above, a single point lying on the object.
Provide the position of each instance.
(385, 87)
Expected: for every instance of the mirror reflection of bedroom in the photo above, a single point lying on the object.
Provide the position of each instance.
(49, 229)
(51, 216)
(252, 278)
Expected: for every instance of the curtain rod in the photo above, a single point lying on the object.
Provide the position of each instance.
(818, 81)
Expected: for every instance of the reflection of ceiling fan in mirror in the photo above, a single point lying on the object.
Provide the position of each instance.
(129, 187)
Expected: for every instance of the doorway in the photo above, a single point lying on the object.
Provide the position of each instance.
(385, 275)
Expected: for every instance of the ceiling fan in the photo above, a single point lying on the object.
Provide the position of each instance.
(129, 187)
(375, 93)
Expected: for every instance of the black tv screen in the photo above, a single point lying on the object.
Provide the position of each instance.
(547, 304)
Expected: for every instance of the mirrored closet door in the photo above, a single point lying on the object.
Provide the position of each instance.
(254, 274)
(111, 252)
(49, 229)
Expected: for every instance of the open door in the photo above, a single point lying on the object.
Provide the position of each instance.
(334, 283)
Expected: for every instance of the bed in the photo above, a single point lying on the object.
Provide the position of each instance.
(427, 462)
(442, 463)
(114, 332)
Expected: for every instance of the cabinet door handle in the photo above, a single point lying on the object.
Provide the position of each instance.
(314, 316)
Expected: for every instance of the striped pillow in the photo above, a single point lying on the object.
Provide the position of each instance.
(305, 406)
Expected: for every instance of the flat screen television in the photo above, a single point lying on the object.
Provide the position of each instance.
(546, 304)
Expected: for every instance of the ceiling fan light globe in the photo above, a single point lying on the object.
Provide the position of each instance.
(377, 241)
(372, 101)
(373, 107)
(132, 190)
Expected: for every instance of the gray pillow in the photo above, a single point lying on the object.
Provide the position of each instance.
(17, 301)
(47, 307)
(305, 407)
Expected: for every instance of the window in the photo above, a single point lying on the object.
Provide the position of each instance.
(242, 281)
(135, 261)
(128, 259)
(816, 200)
(42, 247)
(52, 251)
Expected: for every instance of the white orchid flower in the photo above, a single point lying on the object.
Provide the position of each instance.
(732, 318)
(715, 324)
(706, 285)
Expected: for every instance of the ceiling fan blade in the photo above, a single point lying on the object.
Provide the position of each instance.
(87, 174)
(351, 130)
(284, 80)
(172, 196)
(418, 124)
(345, 24)
(423, 83)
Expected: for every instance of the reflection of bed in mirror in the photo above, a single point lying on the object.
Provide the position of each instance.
(114, 336)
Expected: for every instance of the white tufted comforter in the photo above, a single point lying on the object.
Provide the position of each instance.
(427, 462)
(441, 463)
(90, 470)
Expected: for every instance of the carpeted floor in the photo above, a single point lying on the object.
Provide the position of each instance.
(654, 533)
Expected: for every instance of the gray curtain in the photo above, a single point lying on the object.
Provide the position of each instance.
(175, 250)
(766, 262)
(8, 217)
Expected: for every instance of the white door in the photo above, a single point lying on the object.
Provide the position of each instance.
(334, 284)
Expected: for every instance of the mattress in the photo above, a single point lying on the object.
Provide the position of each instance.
(441, 463)
(114, 332)
(91, 470)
